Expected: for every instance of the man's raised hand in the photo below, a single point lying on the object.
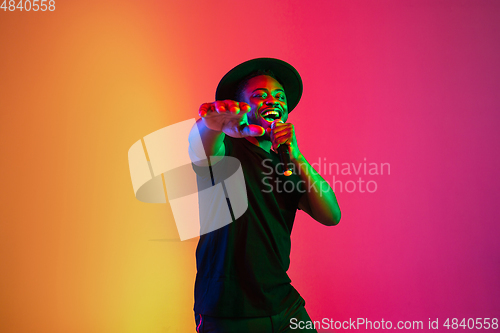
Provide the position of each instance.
(229, 117)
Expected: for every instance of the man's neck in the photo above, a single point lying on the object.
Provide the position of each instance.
(261, 142)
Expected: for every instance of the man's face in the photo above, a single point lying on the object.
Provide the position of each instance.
(267, 101)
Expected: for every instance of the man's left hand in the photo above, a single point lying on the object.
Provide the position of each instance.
(284, 133)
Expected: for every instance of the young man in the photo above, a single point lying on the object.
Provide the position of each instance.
(241, 283)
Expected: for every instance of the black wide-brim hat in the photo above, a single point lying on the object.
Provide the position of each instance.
(284, 72)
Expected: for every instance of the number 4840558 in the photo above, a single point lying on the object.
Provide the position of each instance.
(28, 5)
(471, 323)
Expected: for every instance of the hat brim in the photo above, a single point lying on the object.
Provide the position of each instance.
(284, 72)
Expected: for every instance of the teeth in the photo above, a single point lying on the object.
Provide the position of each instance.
(270, 113)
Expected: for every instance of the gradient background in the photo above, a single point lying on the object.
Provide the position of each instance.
(411, 83)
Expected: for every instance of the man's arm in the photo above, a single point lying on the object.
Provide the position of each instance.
(213, 141)
(216, 120)
(319, 201)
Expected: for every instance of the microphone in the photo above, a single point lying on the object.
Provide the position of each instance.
(283, 154)
(284, 158)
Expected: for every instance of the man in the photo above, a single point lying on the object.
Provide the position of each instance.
(241, 283)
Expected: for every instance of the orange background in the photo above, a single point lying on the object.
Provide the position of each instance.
(79, 86)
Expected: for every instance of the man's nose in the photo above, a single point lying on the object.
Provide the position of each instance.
(272, 102)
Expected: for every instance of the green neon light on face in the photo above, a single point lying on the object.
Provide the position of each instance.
(267, 100)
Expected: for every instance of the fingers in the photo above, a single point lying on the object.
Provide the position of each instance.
(279, 128)
(281, 134)
(237, 107)
(227, 106)
(223, 106)
(220, 106)
(205, 108)
(244, 107)
(232, 106)
(281, 141)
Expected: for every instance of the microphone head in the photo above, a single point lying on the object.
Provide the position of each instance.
(273, 124)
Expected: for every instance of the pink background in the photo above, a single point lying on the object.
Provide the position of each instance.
(410, 83)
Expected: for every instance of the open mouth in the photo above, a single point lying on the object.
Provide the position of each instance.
(271, 115)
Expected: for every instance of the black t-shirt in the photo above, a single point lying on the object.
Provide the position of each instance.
(241, 267)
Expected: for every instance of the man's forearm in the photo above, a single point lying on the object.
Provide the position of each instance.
(320, 196)
(212, 140)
